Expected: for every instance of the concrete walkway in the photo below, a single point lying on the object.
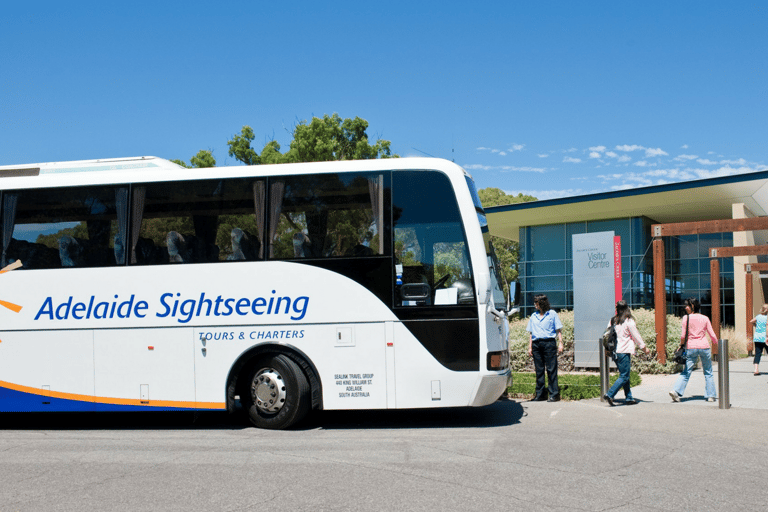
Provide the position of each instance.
(746, 390)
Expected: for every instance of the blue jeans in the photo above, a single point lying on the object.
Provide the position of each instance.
(623, 363)
(706, 365)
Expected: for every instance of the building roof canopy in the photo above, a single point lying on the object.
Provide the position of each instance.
(707, 199)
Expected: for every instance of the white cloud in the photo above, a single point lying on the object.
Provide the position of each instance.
(595, 154)
(570, 150)
(544, 155)
(740, 161)
(706, 161)
(502, 168)
(599, 149)
(611, 154)
(502, 153)
(664, 176)
(641, 163)
(684, 146)
(572, 160)
(516, 147)
(684, 158)
(629, 148)
(650, 152)
(624, 158)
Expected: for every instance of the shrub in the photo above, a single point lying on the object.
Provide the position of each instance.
(737, 342)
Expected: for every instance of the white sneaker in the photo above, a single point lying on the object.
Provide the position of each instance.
(711, 399)
(674, 395)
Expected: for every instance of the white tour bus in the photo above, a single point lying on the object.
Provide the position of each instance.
(136, 284)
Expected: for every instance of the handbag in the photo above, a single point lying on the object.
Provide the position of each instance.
(680, 355)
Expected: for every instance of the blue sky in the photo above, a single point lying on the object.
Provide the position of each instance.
(544, 98)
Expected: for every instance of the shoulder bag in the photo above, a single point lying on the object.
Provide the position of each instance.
(680, 355)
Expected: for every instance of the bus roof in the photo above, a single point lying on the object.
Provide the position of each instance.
(146, 169)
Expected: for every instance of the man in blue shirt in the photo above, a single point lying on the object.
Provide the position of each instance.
(543, 326)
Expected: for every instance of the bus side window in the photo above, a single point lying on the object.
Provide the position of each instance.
(65, 227)
(327, 216)
(197, 221)
(429, 239)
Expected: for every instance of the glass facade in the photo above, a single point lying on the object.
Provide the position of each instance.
(545, 265)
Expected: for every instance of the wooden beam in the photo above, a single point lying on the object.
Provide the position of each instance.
(748, 309)
(755, 267)
(660, 300)
(729, 252)
(714, 268)
(709, 226)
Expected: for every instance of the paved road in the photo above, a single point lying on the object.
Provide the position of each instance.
(745, 389)
(508, 456)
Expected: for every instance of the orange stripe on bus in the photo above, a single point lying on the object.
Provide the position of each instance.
(10, 305)
(109, 400)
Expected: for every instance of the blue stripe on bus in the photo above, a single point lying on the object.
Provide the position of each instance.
(18, 401)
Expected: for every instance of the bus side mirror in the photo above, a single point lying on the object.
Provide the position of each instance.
(415, 291)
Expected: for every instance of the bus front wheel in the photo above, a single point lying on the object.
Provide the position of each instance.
(278, 393)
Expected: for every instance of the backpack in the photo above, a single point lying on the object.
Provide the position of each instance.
(609, 339)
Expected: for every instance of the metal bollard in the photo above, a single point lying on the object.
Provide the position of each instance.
(722, 375)
(605, 370)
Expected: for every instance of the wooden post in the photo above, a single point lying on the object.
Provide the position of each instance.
(714, 265)
(660, 299)
(748, 309)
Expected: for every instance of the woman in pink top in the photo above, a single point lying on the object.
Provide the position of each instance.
(627, 336)
(697, 327)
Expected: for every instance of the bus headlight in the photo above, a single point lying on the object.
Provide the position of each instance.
(498, 360)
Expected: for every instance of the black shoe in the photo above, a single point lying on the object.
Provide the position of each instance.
(630, 401)
(539, 399)
(554, 398)
(608, 399)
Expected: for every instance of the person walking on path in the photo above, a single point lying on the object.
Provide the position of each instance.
(543, 326)
(759, 336)
(627, 336)
(695, 328)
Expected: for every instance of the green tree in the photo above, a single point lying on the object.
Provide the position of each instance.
(319, 140)
(507, 251)
(203, 158)
(240, 147)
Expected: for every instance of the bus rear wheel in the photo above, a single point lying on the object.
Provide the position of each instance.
(277, 394)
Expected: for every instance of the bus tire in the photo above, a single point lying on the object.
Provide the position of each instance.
(277, 395)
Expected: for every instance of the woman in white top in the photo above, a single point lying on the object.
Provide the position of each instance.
(627, 336)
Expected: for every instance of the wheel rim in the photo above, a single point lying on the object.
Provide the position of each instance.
(268, 391)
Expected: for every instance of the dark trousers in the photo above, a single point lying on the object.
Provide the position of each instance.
(759, 347)
(545, 358)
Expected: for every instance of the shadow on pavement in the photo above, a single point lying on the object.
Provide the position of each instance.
(498, 414)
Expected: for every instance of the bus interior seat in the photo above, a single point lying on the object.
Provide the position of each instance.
(465, 292)
(80, 252)
(189, 249)
(302, 245)
(147, 253)
(415, 274)
(32, 255)
(245, 246)
(70, 251)
(359, 251)
(119, 250)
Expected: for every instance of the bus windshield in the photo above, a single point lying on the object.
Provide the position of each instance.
(497, 288)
